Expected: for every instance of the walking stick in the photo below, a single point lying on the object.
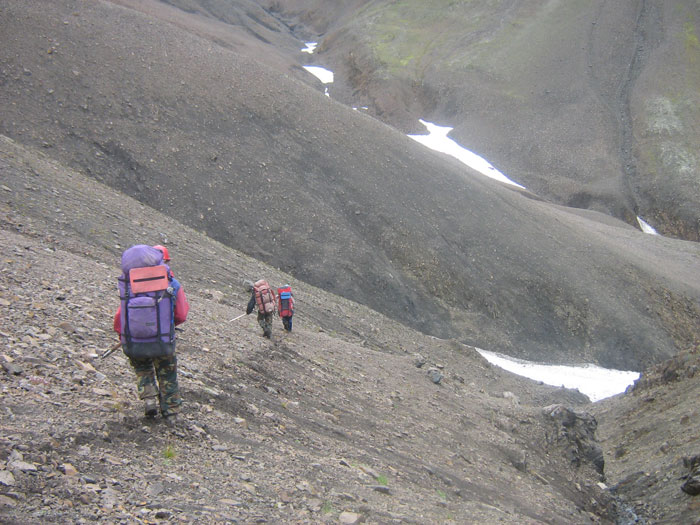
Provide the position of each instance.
(111, 350)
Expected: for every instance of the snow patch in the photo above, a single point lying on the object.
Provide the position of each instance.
(437, 140)
(594, 381)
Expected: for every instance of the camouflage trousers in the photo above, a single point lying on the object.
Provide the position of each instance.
(265, 322)
(165, 370)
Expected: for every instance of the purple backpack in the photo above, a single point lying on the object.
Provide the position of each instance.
(147, 294)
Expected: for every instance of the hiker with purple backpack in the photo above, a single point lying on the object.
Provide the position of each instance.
(152, 303)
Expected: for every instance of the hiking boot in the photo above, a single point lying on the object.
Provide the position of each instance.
(151, 407)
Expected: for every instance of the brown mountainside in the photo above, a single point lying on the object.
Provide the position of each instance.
(339, 421)
(191, 123)
(589, 104)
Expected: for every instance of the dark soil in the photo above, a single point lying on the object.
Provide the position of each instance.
(648, 433)
(340, 421)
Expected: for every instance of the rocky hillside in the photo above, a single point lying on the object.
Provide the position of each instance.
(198, 110)
(589, 104)
(351, 418)
(650, 437)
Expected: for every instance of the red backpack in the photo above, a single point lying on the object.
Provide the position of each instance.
(264, 297)
(285, 301)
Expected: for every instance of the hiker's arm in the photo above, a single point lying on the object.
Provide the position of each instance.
(118, 320)
(251, 304)
(181, 306)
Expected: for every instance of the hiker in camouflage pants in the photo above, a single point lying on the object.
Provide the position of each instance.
(264, 318)
(165, 369)
(265, 322)
(152, 357)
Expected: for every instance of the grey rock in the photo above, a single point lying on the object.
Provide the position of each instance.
(435, 375)
(6, 478)
(419, 361)
(11, 368)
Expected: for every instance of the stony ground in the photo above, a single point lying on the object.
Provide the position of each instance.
(647, 436)
(355, 421)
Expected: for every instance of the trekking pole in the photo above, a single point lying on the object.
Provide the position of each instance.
(242, 315)
(111, 350)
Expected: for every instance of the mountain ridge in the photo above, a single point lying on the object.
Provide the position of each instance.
(589, 106)
(359, 415)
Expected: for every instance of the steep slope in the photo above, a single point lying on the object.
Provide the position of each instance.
(590, 104)
(650, 435)
(314, 426)
(261, 162)
(242, 26)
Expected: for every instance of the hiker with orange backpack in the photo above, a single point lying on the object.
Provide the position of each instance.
(285, 306)
(152, 302)
(263, 298)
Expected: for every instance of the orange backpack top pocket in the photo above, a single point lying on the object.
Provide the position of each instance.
(148, 279)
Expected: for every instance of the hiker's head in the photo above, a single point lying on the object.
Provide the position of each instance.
(164, 251)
